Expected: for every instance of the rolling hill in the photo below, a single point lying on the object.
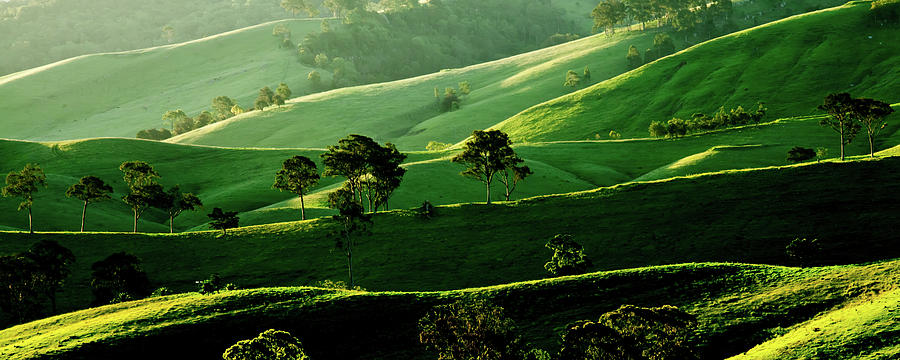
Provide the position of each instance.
(118, 94)
(738, 306)
(780, 63)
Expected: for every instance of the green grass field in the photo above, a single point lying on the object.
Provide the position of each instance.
(762, 302)
(781, 64)
(118, 94)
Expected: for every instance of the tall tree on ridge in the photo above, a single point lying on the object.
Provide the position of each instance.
(871, 114)
(840, 117)
(24, 184)
(297, 175)
(484, 155)
(174, 202)
(89, 189)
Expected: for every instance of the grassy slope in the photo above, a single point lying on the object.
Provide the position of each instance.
(737, 305)
(117, 94)
(240, 179)
(780, 63)
(403, 111)
(624, 226)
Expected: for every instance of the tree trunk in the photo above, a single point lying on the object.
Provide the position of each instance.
(302, 208)
(488, 186)
(135, 221)
(871, 147)
(30, 227)
(83, 211)
(171, 224)
(841, 124)
(350, 261)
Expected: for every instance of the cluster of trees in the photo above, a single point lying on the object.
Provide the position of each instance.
(30, 278)
(706, 17)
(38, 32)
(477, 329)
(488, 154)
(701, 122)
(574, 80)
(452, 97)
(848, 115)
(662, 46)
(374, 46)
(223, 107)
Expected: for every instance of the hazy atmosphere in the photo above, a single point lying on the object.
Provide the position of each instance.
(449, 179)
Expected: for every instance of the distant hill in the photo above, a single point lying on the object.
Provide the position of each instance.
(781, 64)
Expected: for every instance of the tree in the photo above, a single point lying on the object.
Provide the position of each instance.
(658, 129)
(297, 175)
(607, 15)
(154, 134)
(351, 159)
(24, 184)
(183, 125)
(168, 32)
(203, 119)
(296, 6)
(20, 283)
(470, 329)
(450, 100)
(315, 78)
(119, 277)
(237, 110)
(803, 250)
(53, 263)
(676, 127)
(144, 192)
(663, 45)
(265, 98)
(631, 332)
(89, 189)
(222, 106)
(586, 74)
(176, 202)
(353, 223)
(269, 345)
(840, 117)
(174, 118)
(615, 135)
(385, 175)
(512, 173)
(572, 79)
(871, 115)
(633, 58)
(568, 257)
(222, 220)
(800, 154)
(484, 155)
(464, 88)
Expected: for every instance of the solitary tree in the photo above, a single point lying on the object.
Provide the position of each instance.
(24, 184)
(223, 220)
(568, 257)
(513, 173)
(89, 189)
(633, 58)
(800, 154)
(144, 192)
(353, 223)
(840, 117)
(572, 79)
(53, 262)
(871, 114)
(470, 329)
(297, 175)
(484, 155)
(175, 202)
(119, 277)
(270, 345)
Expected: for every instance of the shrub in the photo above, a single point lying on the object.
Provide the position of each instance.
(568, 257)
(162, 291)
(800, 154)
(154, 134)
(470, 329)
(437, 146)
(270, 345)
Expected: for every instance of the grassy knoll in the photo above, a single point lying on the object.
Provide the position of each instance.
(117, 94)
(780, 63)
(745, 216)
(738, 306)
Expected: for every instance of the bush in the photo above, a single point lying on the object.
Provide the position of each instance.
(800, 154)
(437, 146)
(470, 329)
(336, 285)
(270, 345)
(154, 134)
(162, 291)
(568, 257)
(804, 251)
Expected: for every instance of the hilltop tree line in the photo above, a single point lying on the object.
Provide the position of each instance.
(37, 32)
(222, 107)
(685, 16)
(374, 46)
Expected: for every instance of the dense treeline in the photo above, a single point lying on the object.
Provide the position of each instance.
(376, 46)
(37, 32)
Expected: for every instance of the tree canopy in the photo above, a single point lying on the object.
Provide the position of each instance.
(24, 184)
(296, 176)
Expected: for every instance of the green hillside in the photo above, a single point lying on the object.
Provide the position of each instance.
(781, 64)
(118, 94)
(712, 217)
(404, 111)
(738, 306)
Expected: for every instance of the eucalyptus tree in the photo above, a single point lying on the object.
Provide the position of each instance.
(89, 189)
(297, 175)
(24, 184)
